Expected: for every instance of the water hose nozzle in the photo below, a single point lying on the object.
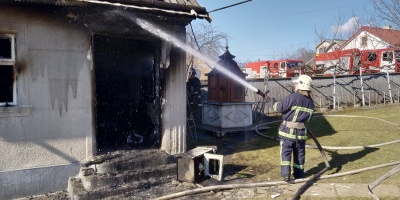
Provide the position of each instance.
(260, 93)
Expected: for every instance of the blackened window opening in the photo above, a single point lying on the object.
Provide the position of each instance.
(6, 83)
(5, 48)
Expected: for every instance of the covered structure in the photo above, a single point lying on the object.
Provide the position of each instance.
(226, 109)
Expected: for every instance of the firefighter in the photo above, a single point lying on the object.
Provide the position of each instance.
(297, 109)
(193, 86)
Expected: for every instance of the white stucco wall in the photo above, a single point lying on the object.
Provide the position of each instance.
(53, 81)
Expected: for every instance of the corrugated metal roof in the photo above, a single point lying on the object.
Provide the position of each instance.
(193, 3)
(54, 2)
(184, 2)
(183, 7)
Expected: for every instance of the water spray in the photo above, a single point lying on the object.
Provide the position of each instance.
(157, 31)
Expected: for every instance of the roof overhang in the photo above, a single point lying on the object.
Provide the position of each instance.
(189, 8)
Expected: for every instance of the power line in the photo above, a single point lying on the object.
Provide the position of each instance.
(229, 6)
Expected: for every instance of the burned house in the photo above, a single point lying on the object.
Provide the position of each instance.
(78, 77)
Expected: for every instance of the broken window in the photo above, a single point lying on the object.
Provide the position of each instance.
(371, 56)
(7, 72)
(387, 56)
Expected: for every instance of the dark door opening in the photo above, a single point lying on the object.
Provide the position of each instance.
(124, 81)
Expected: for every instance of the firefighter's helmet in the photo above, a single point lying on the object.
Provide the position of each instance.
(303, 82)
(194, 72)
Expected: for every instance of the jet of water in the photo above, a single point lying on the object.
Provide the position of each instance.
(168, 37)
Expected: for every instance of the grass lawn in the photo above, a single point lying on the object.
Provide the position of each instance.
(259, 156)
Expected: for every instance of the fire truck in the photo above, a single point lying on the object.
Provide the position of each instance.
(349, 61)
(274, 68)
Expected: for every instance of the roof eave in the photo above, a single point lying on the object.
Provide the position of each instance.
(190, 11)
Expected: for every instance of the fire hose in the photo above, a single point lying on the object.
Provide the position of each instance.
(308, 181)
(370, 186)
(267, 184)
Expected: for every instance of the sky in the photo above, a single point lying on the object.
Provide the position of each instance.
(267, 29)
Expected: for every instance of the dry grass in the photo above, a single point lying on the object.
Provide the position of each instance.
(260, 156)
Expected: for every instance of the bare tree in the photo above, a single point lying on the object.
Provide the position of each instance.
(307, 56)
(341, 31)
(206, 39)
(303, 54)
(386, 11)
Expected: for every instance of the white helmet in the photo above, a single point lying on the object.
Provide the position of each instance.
(303, 81)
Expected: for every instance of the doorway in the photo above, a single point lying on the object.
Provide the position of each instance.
(124, 78)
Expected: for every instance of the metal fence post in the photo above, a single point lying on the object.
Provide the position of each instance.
(362, 87)
(384, 98)
(369, 99)
(320, 102)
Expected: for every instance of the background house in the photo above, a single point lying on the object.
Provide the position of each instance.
(370, 38)
(329, 45)
(78, 77)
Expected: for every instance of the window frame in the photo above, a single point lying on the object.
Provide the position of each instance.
(372, 56)
(364, 41)
(388, 56)
(10, 62)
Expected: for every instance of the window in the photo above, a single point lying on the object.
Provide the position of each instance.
(7, 70)
(321, 50)
(397, 56)
(364, 41)
(387, 56)
(371, 56)
(283, 65)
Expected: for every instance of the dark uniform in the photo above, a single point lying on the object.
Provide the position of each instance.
(297, 109)
(193, 86)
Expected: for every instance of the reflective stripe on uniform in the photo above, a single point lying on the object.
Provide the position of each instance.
(285, 163)
(296, 125)
(298, 166)
(302, 109)
(293, 136)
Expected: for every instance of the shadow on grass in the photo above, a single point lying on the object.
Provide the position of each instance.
(236, 142)
(231, 169)
(338, 160)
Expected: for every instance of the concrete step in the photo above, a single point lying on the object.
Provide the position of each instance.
(95, 181)
(127, 160)
(147, 189)
(133, 163)
(122, 172)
